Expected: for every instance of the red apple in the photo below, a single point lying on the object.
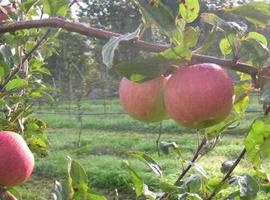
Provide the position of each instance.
(199, 96)
(7, 9)
(144, 101)
(16, 159)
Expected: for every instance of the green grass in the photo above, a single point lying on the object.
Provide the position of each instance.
(106, 141)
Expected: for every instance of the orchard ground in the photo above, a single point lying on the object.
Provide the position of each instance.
(106, 141)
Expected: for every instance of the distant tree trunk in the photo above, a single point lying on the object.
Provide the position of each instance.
(70, 86)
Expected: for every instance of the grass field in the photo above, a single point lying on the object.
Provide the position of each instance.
(106, 141)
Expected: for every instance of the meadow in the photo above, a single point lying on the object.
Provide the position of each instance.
(107, 139)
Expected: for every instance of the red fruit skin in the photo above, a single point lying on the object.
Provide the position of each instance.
(16, 159)
(8, 9)
(144, 101)
(199, 96)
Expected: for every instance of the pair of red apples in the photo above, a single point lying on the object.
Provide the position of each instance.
(196, 96)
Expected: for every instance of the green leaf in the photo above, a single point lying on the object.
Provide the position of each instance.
(95, 196)
(37, 145)
(55, 7)
(109, 48)
(257, 13)
(208, 41)
(178, 53)
(257, 141)
(215, 130)
(242, 105)
(189, 196)
(27, 4)
(161, 15)
(76, 173)
(189, 10)
(170, 188)
(191, 36)
(254, 51)
(265, 96)
(258, 36)
(193, 183)
(142, 69)
(164, 147)
(4, 70)
(136, 180)
(225, 47)
(248, 186)
(141, 156)
(16, 84)
(7, 56)
(228, 27)
(226, 166)
(241, 89)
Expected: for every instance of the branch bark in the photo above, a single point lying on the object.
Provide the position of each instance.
(86, 30)
(228, 174)
(196, 155)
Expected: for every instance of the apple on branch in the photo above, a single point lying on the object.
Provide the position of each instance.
(144, 101)
(199, 96)
(16, 159)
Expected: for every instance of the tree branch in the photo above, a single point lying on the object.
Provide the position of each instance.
(196, 155)
(216, 190)
(25, 58)
(86, 30)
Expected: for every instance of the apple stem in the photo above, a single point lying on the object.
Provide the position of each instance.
(158, 138)
(228, 174)
(196, 155)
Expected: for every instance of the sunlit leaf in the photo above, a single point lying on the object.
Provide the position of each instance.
(189, 10)
(257, 36)
(136, 180)
(180, 53)
(16, 84)
(257, 141)
(55, 7)
(148, 161)
(241, 105)
(256, 12)
(225, 46)
(95, 195)
(217, 129)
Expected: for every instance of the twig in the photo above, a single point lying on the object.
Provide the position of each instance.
(158, 138)
(55, 22)
(196, 155)
(241, 155)
(26, 57)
